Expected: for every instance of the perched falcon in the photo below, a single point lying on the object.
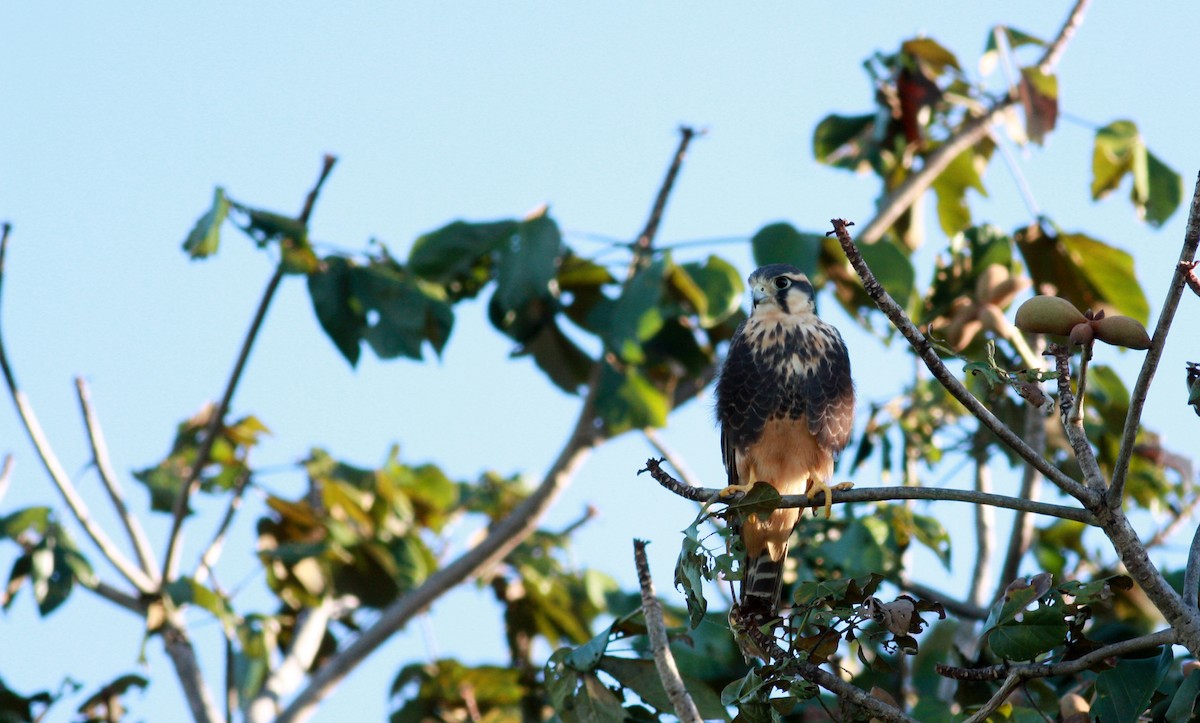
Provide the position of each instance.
(785, 403)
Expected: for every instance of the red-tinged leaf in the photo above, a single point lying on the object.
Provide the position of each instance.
(1039, 96)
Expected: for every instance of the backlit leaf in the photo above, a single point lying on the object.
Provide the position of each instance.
(627, 400)
(1038, 631)
(205, 237)
(781, 243)
(342, 318)
(1039, 96)
(845, 141)
(1123, 693)
(460, 255)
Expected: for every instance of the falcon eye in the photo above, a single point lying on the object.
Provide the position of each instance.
(782, 282)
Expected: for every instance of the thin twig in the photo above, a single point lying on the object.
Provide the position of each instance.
(58, 475)
(993, 704)
(880, 494)
(925, 350)
(656, 441)
(664, 661)
(1137, 399)
(108, 477)
(212, 553)
(204, 452)
(1068, 667)
(646, 238)
(1022, 529)
(961, 608)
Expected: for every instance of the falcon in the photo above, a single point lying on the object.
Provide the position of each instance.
(785, 404)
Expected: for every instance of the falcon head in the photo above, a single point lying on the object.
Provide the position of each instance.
(784, 287)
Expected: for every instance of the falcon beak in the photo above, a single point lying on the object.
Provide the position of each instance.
(757, 295)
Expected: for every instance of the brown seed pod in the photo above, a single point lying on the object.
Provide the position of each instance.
(1121, 331)
(1049, 315)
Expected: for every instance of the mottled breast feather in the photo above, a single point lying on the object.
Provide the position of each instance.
(784, 368)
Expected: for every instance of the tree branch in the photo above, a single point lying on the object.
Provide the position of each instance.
(504, 535)
(1068, 667)
(993, 704)
(1055, 50)
(5, 475)
(108, 477)
(58, 475)
(1137, 399)
(306, 642)
(961, 608)
(664, 662)
(656, 441)
(1191, 575)
(187, 669)
(203, 454)
(881, 494)
(212, 553)
(1070, 408)
(924, 349)
(985, 520)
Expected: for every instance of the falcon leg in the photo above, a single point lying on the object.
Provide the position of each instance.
(816, 486)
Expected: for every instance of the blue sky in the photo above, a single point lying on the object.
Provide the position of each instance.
(118, 121)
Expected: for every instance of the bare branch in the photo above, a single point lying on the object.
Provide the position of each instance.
(174, 540)
(985, 520)
(117, 597)
(1055, 50)
(1191, 575)
(1069, 667)
(58, 475)
(1022, 529)
(310, 631)
(993, 704)
(5, 474)
(187, 669)
(108, 477)
(881, 494)
(664, 662)
(1137, 399)
(1070, 408)
(645, 239)
(924, 349)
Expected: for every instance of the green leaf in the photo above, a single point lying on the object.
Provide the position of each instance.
(1109, 271)
(586, 657)
(566, 365)
(36, 519)
(627, 400)
(339, 314)
(930, 532)
(1184, 701)
(951, 185)
(1038, 631)
(845, 141)
(713, 287)
(635, 316)
(205, 237)
(1123, 693)
(460, 255)
(1013, 604)
(407, 313)
(1119, 150)
(524, 297)
(691, 569)
(931, 52)
(892, 268)
(642, 677)
(593, 703)
(186, 591)
(781, 243)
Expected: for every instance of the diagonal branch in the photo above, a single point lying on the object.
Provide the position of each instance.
(664, 662)
(881, 494)
(108, 477)
(1137, 399)
(1055, 49)
(203, 454)
(5, 473)
(1068, 667)
(58, 475)
(924, 349)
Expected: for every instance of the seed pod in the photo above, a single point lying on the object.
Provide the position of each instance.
(1122, 331)
(1082, 334)
(1049, 315)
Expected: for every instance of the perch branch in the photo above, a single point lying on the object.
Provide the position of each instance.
(924, 349)
(882, 494)
(1137, 398)
(664, 662)
(203, 454)
(58, 475)
(108, 477)
(1068, 667)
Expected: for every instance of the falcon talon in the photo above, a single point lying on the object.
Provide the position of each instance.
(785, 404)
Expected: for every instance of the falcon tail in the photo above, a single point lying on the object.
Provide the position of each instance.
(762, 583)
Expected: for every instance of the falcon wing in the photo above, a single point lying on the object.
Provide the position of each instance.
(828, 394)
(744, 401)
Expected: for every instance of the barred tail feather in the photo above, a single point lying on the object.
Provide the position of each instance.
(762, 583)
